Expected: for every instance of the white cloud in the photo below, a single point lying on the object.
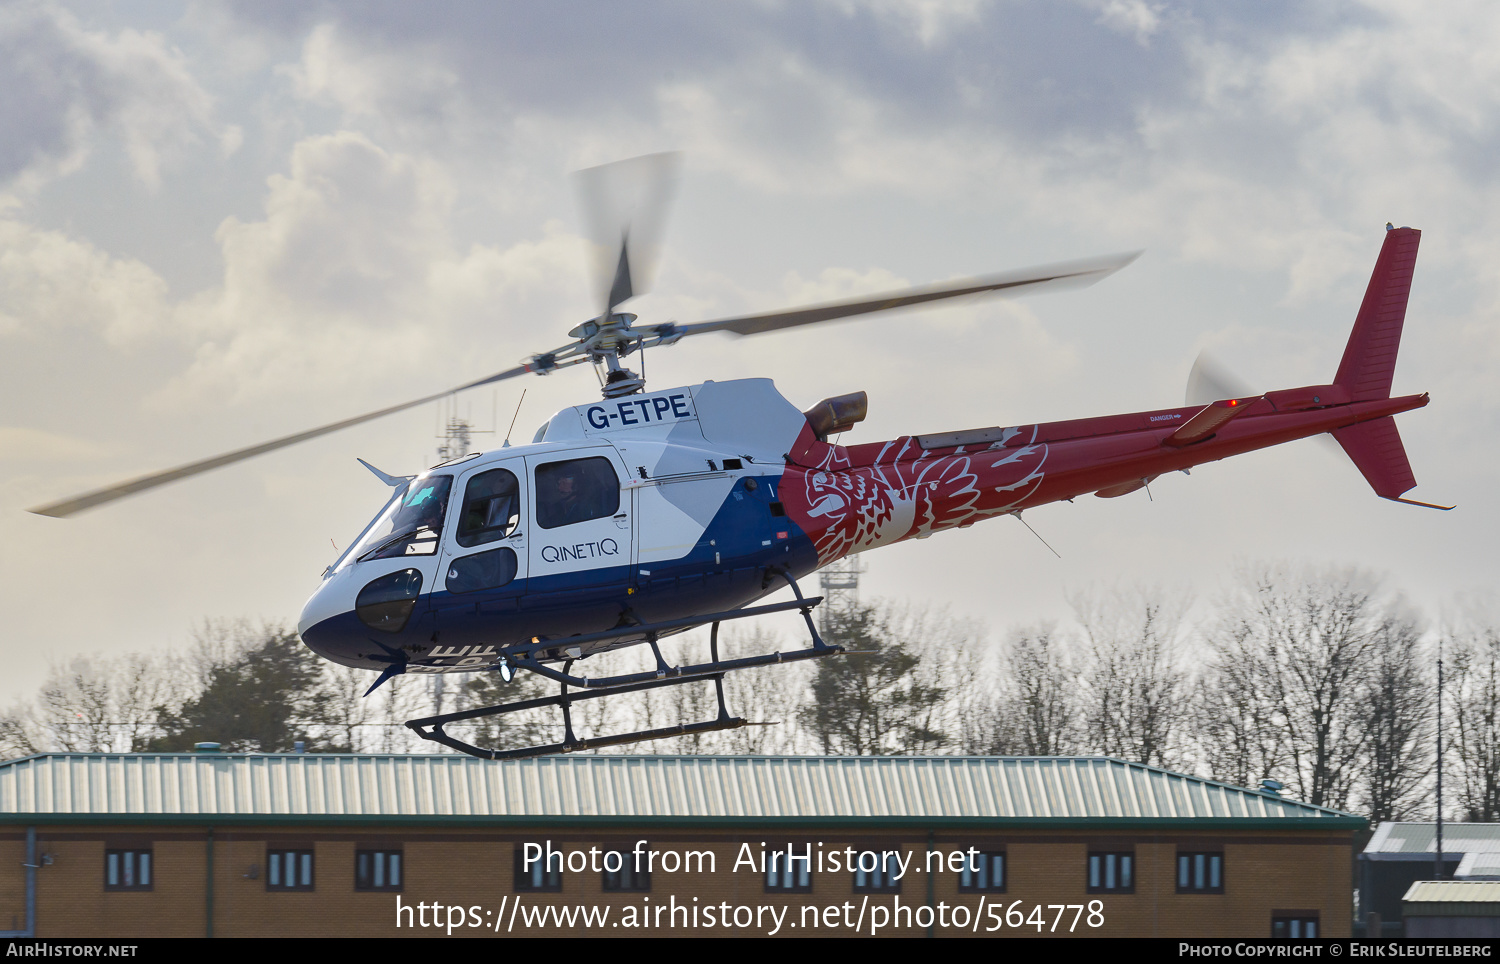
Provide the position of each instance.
(352, 279)
(65, 85)
(1136, 18)
(364, 81)
(51, 283)
(932, 21)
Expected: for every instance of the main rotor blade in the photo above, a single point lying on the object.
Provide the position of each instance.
(1069, 274)
(625, 211)
(88, 500)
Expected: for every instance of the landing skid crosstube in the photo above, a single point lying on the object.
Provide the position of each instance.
(431, 728)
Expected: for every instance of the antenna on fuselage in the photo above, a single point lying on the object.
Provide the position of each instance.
(1038, 535)
(513, 419)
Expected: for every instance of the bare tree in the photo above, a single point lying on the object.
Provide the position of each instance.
(510, 730)
(403, 698)
(1237, 735)
(341, 714)
(768, 694)
(101, 704)
(1134, 683)
(75, 708)
(1037, 709)
(1473, 693)
(1396, 715)
(1304, 638)
(19, 735)
(958, 656)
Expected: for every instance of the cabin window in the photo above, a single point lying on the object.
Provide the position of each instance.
(482, 570)
(576, 491)
(492, 506)
(386, 603)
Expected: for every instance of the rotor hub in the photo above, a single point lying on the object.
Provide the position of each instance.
(622, 381)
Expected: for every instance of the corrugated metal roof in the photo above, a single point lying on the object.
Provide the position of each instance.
(1394, 837)
(1477, 866)
(686, 787)
(1453, 891)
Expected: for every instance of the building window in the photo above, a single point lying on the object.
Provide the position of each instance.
(623, 872)
(1112, 873)
(377, 870)
(983, 873)
(1200, 873)
(787, 872)
(1302, 925)
(875, 873)
(127, 870)
(289, 870)
(540, 876)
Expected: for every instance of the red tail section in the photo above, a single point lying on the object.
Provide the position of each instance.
(1370, 357)
(1379, 455)
(1370, 362)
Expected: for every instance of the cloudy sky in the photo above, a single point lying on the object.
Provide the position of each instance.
(222, 222)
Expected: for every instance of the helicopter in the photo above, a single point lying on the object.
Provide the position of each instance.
(644, 514)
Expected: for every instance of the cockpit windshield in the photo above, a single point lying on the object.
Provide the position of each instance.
(409, 525)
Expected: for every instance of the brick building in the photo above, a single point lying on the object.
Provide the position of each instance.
(120, 845)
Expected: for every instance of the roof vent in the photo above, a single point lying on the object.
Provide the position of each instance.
(1273, 787)
(207, 748)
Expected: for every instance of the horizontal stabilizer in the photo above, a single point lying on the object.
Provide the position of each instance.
(1207, 421)
(1379, 455)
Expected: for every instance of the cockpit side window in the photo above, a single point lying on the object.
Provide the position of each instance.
(492, 507)
(576, 491)
(409, 526)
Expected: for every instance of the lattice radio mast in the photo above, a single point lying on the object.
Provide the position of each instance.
(455, 441)
(839, 582)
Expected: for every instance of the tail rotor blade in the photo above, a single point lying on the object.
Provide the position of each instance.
(624, 208)
(1210, 381)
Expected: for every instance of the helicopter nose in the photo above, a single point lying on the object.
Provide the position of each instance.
(328, 625)
(329, 600)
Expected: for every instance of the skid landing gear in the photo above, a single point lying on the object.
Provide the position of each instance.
(529, 657)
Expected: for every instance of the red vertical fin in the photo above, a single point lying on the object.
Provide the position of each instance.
(1370, 357)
